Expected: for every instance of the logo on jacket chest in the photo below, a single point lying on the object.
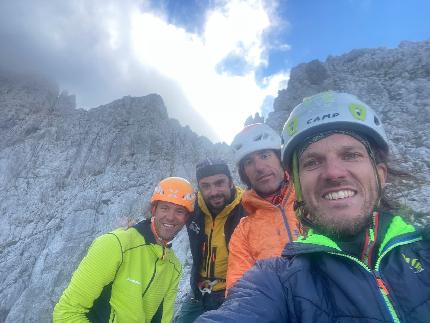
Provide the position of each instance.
(414, 264)
(134, 281)
(194, 227)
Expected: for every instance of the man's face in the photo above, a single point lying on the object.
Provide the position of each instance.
(216, 191)
(339, 184)
(169, 219)
(264, 171)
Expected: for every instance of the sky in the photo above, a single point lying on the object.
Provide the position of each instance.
(214, 62)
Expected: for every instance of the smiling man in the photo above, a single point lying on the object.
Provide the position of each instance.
(216, 214)
(131, 275)
(339, 198)
(359, 261)
(271, 221)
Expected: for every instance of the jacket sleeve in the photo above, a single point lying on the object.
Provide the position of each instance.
(240, 258)
(96, 270)
(169, 300)
(258, 297)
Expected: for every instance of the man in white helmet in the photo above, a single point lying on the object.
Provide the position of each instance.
(359, 262)
(271, 221)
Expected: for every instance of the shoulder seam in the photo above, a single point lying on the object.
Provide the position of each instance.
(141, 245)
(122, 253)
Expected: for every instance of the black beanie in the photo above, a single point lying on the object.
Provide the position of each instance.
(210, 167)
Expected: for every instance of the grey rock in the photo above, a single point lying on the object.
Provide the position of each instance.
(69, 175)
(396, 83)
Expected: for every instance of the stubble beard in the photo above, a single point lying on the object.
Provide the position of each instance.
(340, 226)
(215, 210)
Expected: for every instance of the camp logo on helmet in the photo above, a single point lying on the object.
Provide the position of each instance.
(358, 111)
(321, 118)
(292, 126)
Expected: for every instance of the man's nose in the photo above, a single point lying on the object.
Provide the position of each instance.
(334, 168)
(259, 164)
(170, 214)
(208, 191)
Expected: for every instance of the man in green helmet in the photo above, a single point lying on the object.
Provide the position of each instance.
(359, 261)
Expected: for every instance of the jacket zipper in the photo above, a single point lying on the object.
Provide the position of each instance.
(368, 247)
(152, 278)
(386, 295)
(371, 237)
(287, 226)
(209, 256)
(379, 283)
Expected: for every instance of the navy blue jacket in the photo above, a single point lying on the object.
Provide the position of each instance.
(315, 281)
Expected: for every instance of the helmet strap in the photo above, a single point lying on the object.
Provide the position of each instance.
(159, 240)
(299, 203)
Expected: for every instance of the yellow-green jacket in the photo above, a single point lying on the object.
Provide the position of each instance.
(125, 277)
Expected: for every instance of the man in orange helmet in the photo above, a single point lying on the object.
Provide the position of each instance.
(131, 275)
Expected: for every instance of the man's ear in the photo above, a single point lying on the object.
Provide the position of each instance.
(382, 172)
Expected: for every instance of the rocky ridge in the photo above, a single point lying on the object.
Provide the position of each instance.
(68, 175)
(396, 83)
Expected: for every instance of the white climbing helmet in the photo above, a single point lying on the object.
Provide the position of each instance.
(330, 111)
(257, 136)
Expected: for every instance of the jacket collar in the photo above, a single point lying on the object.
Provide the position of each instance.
(252, 202)
(144, 228)
(398, 231)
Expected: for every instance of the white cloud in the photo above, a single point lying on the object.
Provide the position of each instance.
(223, 99)
(102, 50)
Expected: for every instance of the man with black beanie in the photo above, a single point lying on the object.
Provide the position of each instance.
(217, 211)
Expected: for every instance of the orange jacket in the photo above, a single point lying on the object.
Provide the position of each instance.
(262, 234)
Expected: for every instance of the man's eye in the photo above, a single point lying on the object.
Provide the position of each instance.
(220, 183)
(247, 162)
(310, 163)
(351, 155)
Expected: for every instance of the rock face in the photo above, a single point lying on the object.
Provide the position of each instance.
(68, 175)
(396, 83)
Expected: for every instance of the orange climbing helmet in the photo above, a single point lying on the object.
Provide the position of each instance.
(175, 190)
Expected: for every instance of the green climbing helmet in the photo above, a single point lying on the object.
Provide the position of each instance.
(330, 111)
